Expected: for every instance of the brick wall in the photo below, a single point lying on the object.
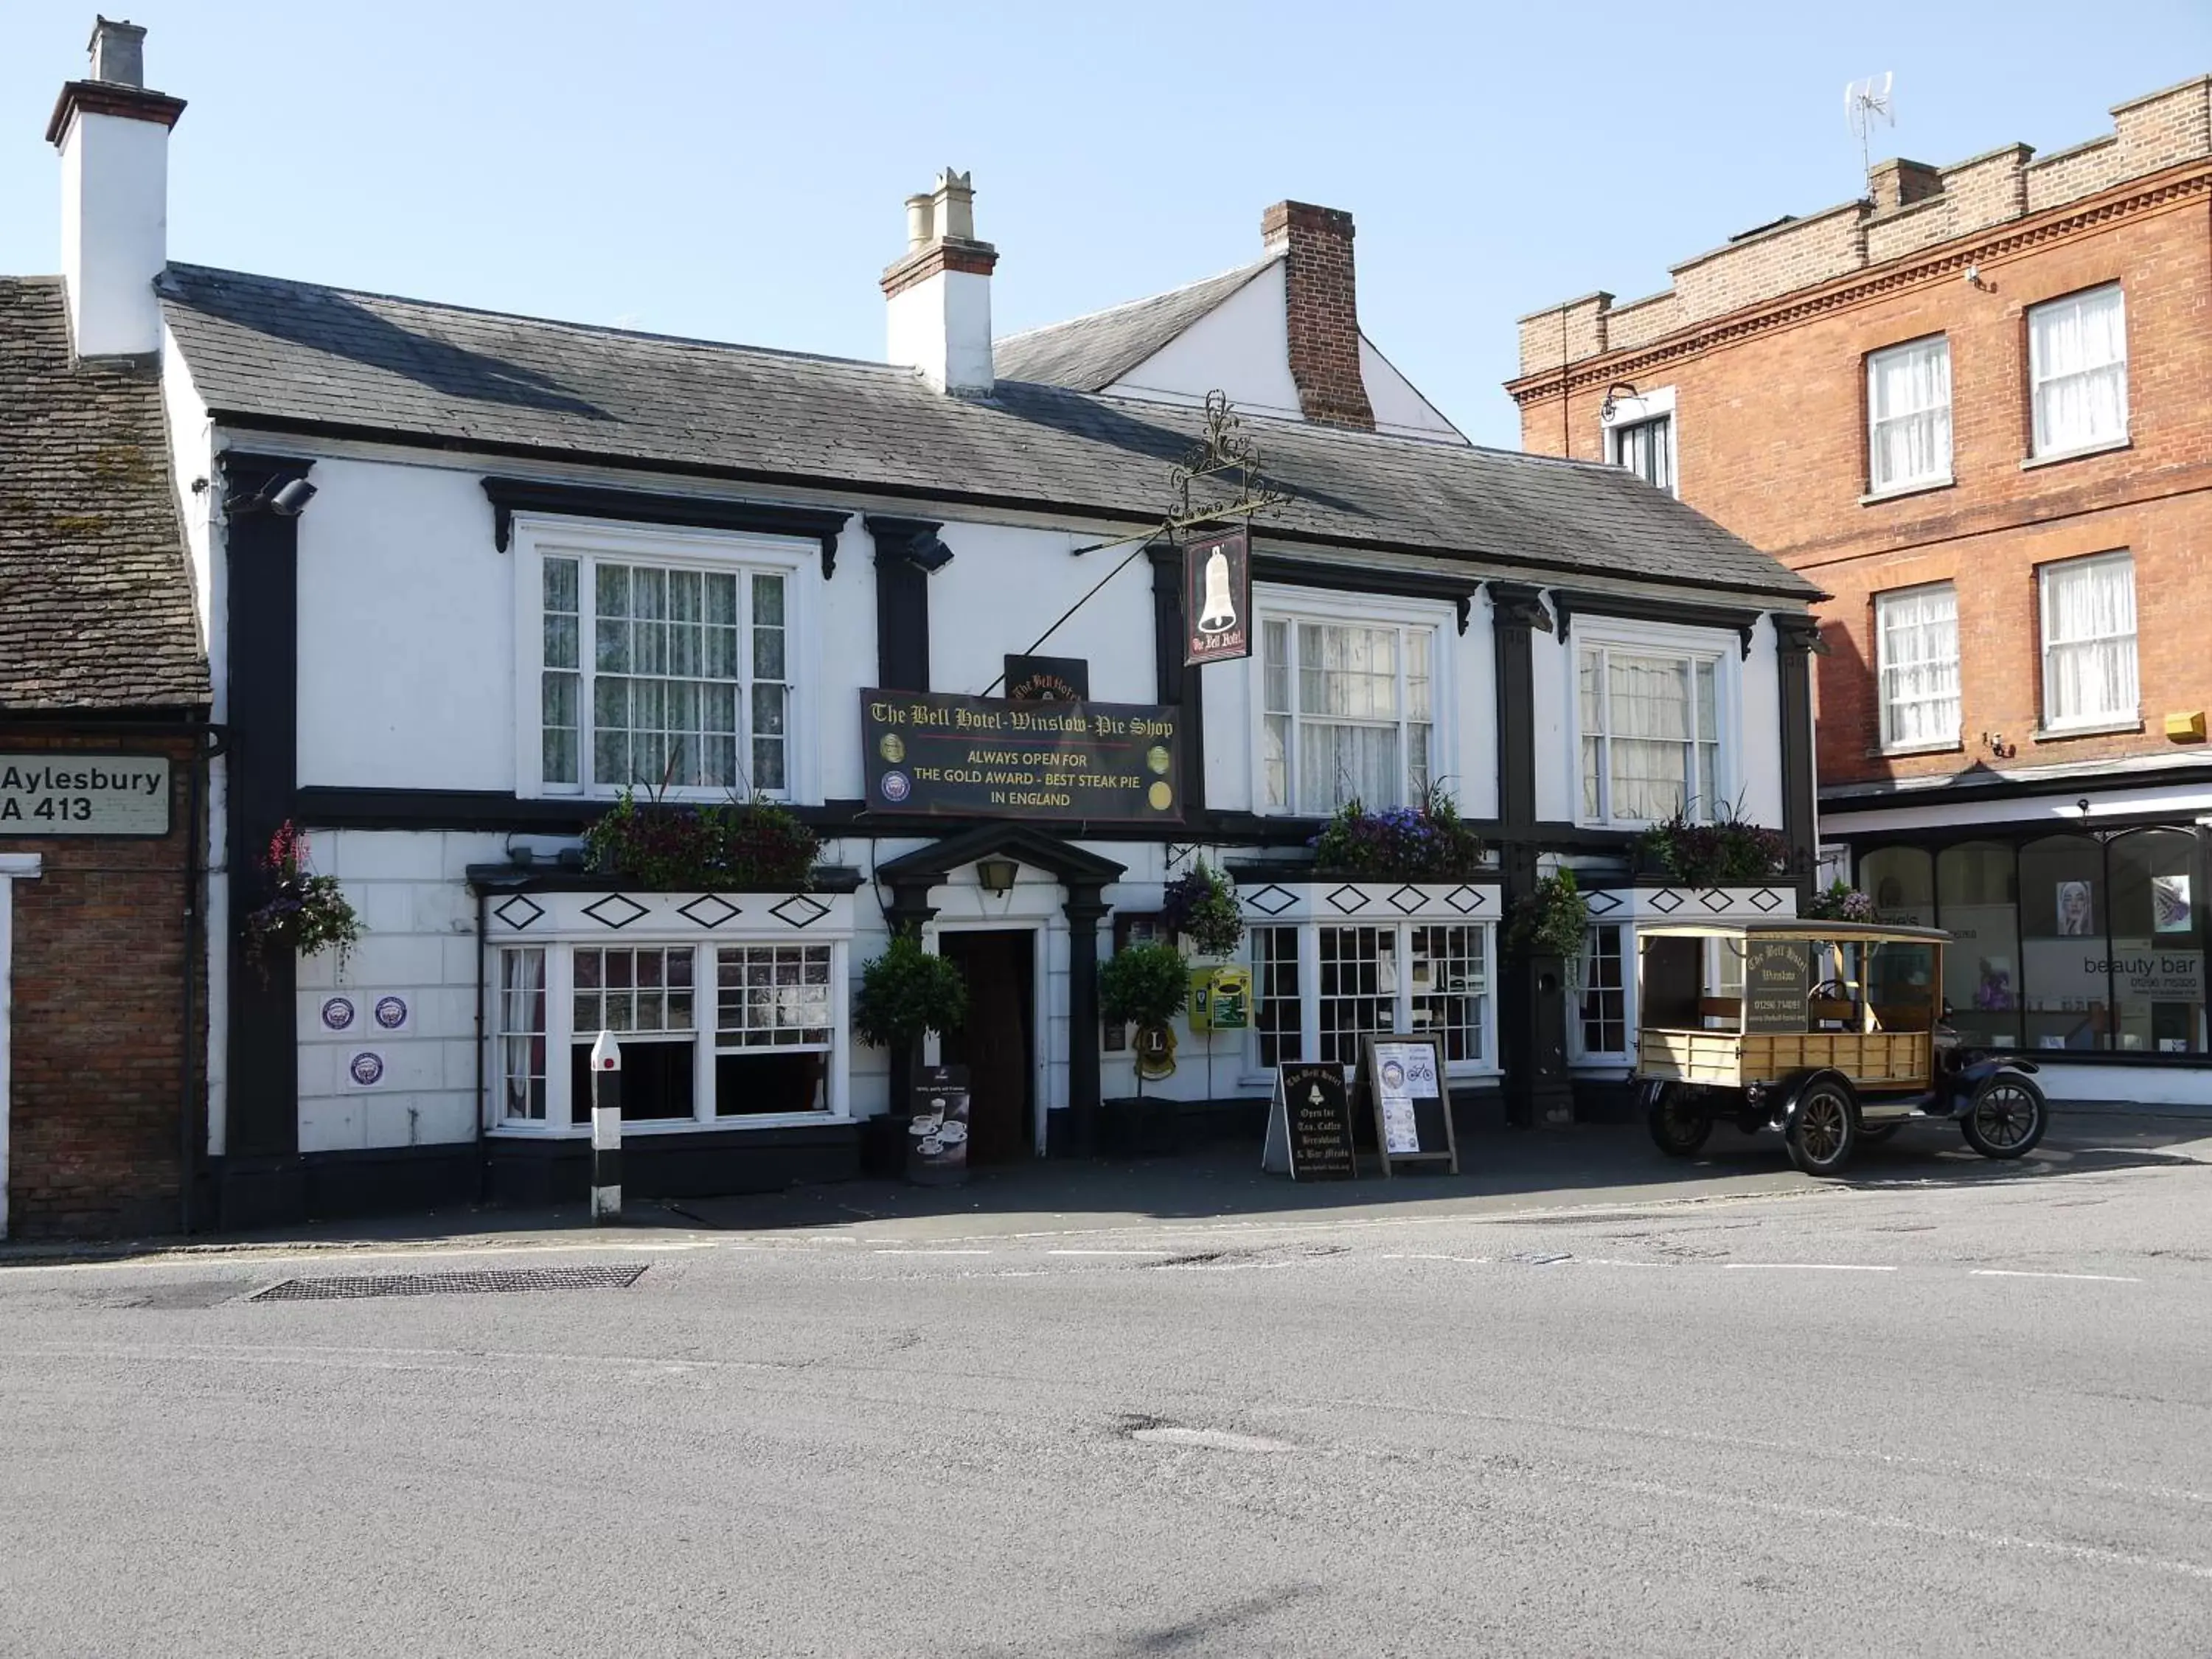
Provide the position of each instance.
(1770, 432)
(1321, 307)
(99, 1050)
(1911, 208)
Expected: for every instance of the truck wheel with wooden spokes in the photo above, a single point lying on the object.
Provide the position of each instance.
(1823, 1128)
(2008, 1117)
(1679, 1121)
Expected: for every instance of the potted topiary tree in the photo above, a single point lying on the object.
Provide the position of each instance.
(1145, 986)
(906, 993)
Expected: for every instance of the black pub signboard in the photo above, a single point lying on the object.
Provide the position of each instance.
(933, 755)
(1776, 985)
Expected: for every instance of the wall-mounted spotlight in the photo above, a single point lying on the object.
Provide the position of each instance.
(929, 553)
(1617, 390)
(287, 500)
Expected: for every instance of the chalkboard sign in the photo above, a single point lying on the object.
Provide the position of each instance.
(1402, 1078)
(1309, 1125)
(1777, 983)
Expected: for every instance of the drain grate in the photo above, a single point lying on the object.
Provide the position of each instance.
(479, 1282)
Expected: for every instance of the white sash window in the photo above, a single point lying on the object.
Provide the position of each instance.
(1651, 735)
(2089, 643)
(2077, 355)
(1909, 415)
(1917, 641)
(1349, 711)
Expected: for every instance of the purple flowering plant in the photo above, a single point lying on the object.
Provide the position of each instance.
(1200, 905)
(1427, 842)
(306, 913)
(1840, 902)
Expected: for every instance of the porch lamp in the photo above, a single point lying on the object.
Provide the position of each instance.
(996, 875)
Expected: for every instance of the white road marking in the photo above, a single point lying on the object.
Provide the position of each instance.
(1213, 1440)
(1140, 1253)
(896, 1250)
(1814, 1266)
(1614, 1261)
(1430, 1255)
(2022, 1273)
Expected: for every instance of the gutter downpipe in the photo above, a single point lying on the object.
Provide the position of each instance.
(483, 1163)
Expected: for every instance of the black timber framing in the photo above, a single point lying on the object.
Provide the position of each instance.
(902, 602)
(1796, 639)
(512, 495)
(1177, 683)
(261, 1137)
(1517, 613)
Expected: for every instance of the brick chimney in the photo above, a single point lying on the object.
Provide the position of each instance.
(1897, 184)
(114, 136)
(939, 293)
(1322, 304)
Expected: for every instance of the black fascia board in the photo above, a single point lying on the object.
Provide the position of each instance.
(1571, 602)
(244, 421)
(512, 495)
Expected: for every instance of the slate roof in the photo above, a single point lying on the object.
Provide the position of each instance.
(1088, 353)
(286, 356)
(96, 595)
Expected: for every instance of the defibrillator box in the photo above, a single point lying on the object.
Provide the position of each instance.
(1220, 999)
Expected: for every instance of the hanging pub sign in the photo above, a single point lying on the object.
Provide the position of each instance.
(1217, 596)
(934, 755)
(59, 792)
(1047, 679)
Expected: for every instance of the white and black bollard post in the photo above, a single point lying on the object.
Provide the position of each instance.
(606, 1129)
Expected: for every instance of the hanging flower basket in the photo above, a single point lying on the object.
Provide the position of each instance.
(1552, 921)
(307, 914)
(1200, 906)
(1840, 902)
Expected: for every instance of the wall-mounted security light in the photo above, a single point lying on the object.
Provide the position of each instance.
(929, 553)
(287, 500)
(1617, 391)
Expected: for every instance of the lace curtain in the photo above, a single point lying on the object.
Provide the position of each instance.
(1909, 412)
(1919, 647)
(2078, 359)
(2089, 641)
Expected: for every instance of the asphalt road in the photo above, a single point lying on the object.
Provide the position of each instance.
(1953, 1418)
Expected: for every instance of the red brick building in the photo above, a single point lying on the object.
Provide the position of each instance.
(1973, 406)
(103, 702)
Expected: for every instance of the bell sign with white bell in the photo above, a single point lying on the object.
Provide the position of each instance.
(1218, 598)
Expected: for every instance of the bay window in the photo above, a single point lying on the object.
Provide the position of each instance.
(2089, 643)
(1917, 651)
(1909, 415)
(1318, 988)
(2077, 362)
(663, 662)
(710, 1032)
(1651, 732)
(1348, 710)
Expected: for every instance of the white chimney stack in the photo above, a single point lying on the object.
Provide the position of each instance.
(114, 135)
(940, 291)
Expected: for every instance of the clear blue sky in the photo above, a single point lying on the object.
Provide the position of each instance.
(736, 171)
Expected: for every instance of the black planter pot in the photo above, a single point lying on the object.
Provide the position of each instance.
(1140, 1126)
(882, 1145)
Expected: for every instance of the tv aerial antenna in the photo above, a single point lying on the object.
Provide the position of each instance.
(1869, 104)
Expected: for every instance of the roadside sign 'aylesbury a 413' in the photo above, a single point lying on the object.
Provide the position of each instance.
(64, 793)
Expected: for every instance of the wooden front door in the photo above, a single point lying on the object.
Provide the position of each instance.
(998, 1044)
